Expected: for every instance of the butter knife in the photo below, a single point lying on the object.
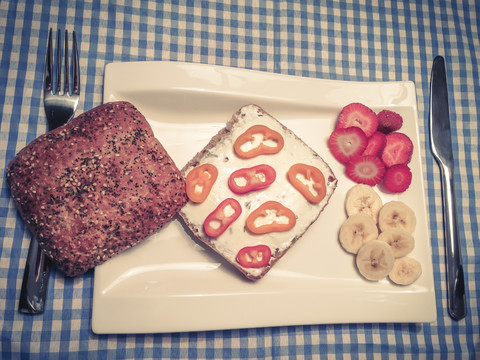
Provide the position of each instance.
(440, 137)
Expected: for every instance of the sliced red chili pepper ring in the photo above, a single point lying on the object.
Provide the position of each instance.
(257, 177)
(271, 142)
(199, 182)
(269, 217)
(254, 256)
(309, 181)
(222, 217)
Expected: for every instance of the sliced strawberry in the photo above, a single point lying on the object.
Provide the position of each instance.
(389, 121)
(376, 143)
(367, 170)
(398, 149)
(398, 178)
(356, 114)
(347, 143)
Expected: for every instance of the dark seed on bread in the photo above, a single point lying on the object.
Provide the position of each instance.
(95, 187)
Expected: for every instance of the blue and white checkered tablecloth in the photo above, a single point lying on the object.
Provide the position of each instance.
(364, 41)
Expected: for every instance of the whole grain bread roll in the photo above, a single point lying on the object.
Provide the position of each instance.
(95, 187)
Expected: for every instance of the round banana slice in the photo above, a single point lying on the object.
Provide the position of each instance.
(375, 260)
(405, 271)
(396, 214)
(363, 199)
(356, 231)
(402, 242)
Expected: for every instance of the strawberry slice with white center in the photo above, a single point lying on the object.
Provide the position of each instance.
(398, 149)
(359, 115)
(346, 143)
(376, 143)
(368, 170)
(398, 178)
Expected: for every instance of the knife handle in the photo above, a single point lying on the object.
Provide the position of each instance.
(35, 280)
(457, 306)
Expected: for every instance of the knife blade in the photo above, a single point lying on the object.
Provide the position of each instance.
(441, 143)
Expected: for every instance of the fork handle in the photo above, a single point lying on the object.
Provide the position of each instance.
(35, 280)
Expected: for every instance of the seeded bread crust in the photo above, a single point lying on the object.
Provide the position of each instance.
(199, 159)
(95, 187)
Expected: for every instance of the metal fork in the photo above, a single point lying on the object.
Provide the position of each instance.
(59, 108)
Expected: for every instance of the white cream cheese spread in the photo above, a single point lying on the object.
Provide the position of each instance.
(223, 156)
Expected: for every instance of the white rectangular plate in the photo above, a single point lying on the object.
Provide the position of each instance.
(169, 283)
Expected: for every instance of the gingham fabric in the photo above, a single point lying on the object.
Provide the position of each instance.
(363, 41)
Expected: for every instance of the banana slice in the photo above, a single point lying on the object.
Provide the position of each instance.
(363, 199)
(375, 260)
(396, 214)
(356, 231)
(405, 271)
(402, 242)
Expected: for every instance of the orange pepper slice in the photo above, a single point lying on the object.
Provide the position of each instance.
(262, 148)
(200, 181)
(274, 225)
(314, 188)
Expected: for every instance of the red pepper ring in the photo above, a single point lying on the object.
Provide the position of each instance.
(199, 182)
(219, 219)
(263, 211)
(314, 188)
(255, 178)
(262, 148)
(254, 256)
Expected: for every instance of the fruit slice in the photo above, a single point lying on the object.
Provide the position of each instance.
(396, 215)
(356, 231)
(405, 271)
(389, 121)
(347, 143)
(398, 149)
(376, 144)
(367, 170)
(398, 178)
(401, 242)
(358, 115)
(362, 198)
(375, 260)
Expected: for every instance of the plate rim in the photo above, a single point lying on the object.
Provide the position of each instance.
(112, 68)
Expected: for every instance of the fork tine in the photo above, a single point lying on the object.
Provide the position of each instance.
(66, 86)
(48, 64)
(76, 66)
(58, 85)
